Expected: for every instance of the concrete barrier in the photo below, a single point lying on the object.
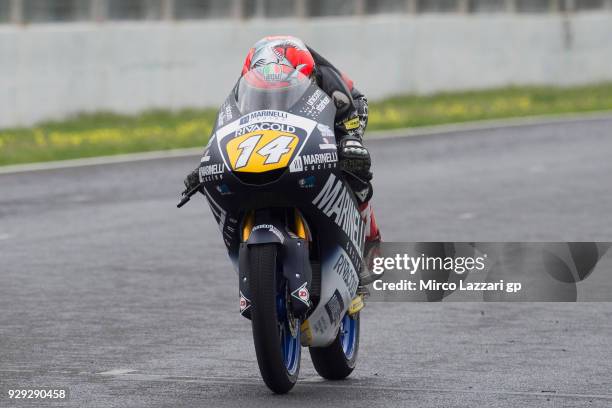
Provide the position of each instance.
(55, 70)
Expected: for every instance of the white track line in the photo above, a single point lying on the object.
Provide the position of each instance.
(101, 160)
(117, 371)
(374, 135)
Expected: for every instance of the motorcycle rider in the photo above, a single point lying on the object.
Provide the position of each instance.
(350, 124)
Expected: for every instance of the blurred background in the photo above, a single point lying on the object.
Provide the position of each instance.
(41, 11)
(421, 62)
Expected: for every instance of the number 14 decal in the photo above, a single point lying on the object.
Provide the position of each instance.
(261, 151)
(273, 151)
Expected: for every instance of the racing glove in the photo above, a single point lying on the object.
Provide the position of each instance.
(192, 180)
(355, 158)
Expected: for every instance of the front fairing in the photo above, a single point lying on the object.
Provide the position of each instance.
(310, 157)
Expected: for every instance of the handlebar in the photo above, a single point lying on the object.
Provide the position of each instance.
(187, 194)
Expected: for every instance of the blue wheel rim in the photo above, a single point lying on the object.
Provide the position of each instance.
(348, 336)
(290, 345)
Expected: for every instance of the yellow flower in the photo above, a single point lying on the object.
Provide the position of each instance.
(39, 138)
(524, 103)
(457, 109)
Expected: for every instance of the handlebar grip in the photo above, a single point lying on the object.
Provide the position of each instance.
(184, 201)
(188, 194)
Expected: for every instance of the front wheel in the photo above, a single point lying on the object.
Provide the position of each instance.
(337, 361)
(276, 333)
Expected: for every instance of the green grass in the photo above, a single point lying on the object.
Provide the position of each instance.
(90, 135)
(456, 107)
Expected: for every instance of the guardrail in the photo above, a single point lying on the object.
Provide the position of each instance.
(40, 11)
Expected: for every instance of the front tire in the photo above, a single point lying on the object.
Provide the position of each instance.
(337, 361)
(275, 334)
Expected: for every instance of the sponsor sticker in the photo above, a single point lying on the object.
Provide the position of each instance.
(279, 127)
(320, 158)
(244, 303)
(325, 130)
(318, 100)
(321, 325)
(334, 307)
(272, 229)
(307, 182)
(259, 151)
(322, 104)
(225, 114)
(316, 161)
(351, 124)
(302, 294)
(315, 104)
(336, 202)
(312, 99)
(264, 115)
(223, 189)
(327, 146)
(327, 136)
(297, 165)
(211, 171)
(344, 267)
(206, 157)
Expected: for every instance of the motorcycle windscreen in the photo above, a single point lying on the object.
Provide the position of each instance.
(271, 86)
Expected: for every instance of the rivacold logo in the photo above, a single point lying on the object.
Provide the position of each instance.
(344, 268)
(265, 126)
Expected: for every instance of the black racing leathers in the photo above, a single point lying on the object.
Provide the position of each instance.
(331, 80)
(351, 122)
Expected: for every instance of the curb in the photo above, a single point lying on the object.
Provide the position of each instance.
(374, 135)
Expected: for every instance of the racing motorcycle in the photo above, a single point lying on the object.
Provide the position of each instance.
(290, 223)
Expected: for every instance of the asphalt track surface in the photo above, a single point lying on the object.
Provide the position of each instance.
(109, 290)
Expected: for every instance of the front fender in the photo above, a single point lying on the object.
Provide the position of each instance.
(294, 261)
